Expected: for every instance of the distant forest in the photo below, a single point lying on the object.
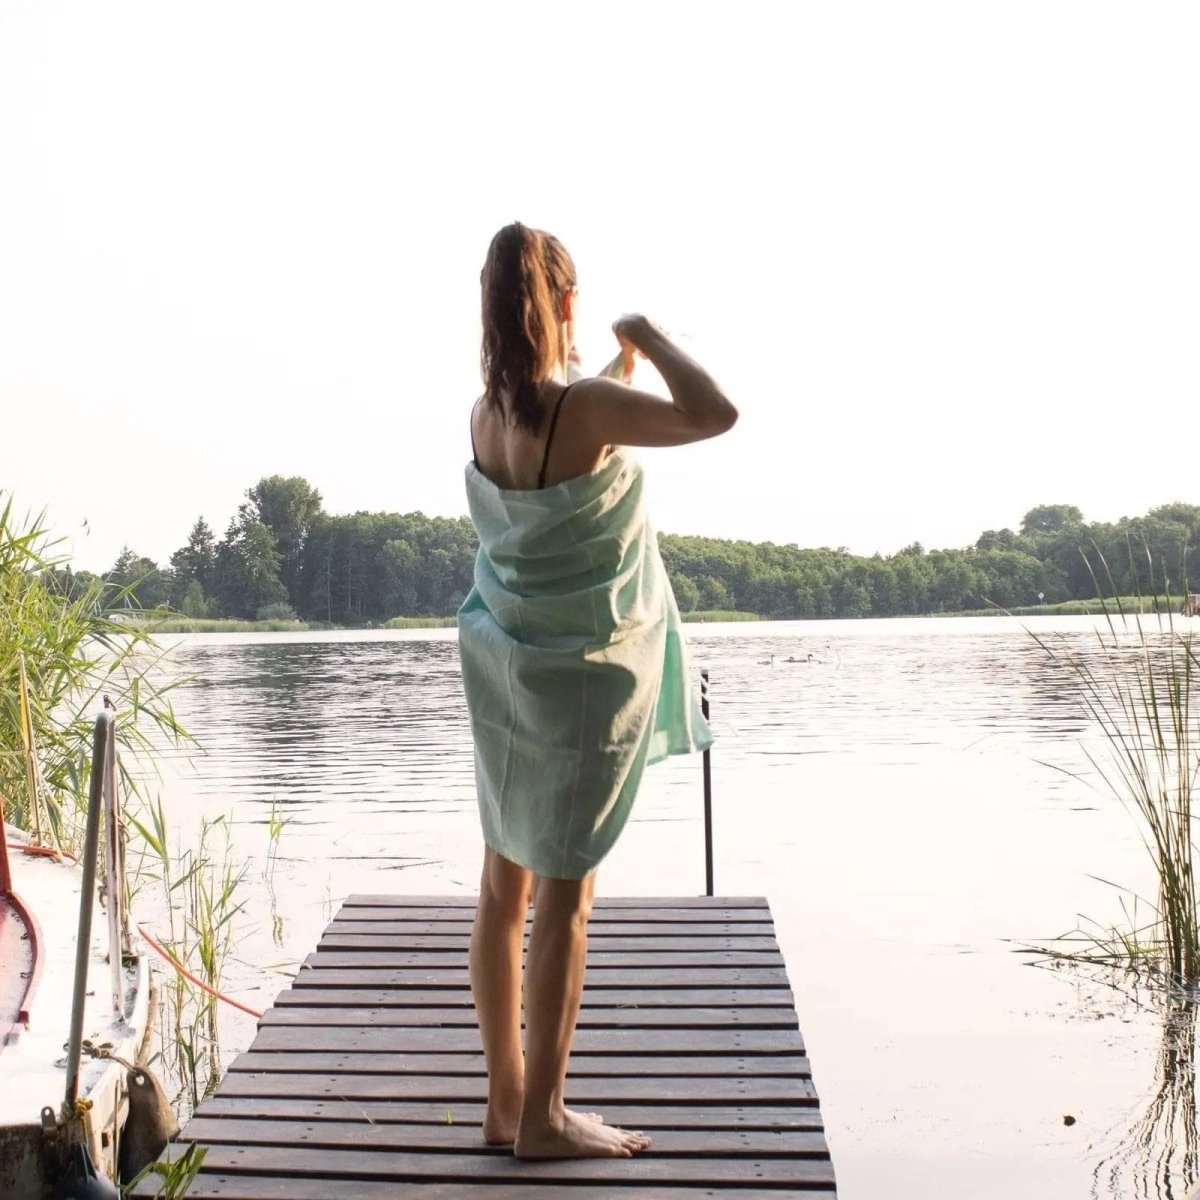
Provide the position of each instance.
(283, 556)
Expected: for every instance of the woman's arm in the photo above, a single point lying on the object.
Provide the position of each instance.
(615, 414)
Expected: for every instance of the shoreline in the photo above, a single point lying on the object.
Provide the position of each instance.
(1124, 605)
(236, 625)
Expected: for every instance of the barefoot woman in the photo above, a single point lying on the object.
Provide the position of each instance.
(573, 663)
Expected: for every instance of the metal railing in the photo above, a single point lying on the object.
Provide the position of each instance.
(707, 760)
(103, 795)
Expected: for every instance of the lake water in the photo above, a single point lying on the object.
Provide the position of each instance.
(916, 804)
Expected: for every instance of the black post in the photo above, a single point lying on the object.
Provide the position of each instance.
(708, 838)
(102, 743)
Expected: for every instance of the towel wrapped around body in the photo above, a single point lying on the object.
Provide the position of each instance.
(573, 663)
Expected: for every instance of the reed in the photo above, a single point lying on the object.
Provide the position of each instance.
(719, 614)
(175, 1176)
(1098, 606)
(174, 624)
(75, 650)
(1137, 685)
(200, 890)
(421, 623)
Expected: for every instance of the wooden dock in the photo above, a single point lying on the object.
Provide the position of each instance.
(366, 1079)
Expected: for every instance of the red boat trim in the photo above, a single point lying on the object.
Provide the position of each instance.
(35, 946)
(5, 875)
(32, 928)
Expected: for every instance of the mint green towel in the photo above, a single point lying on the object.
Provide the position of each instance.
(573, 664)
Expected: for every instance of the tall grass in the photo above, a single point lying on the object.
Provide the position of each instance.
(1138, 688)
(1096, 607)
(200, 890)
(719, 614)
(76, 650)
(420, 622)
(177, 624)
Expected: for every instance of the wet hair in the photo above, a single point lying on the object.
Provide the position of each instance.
(524, 279)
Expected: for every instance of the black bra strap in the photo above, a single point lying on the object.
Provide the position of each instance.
(550, 435)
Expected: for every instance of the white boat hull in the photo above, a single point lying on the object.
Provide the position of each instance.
(33, 1062)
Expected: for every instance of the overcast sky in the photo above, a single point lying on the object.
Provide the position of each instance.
(944, 256)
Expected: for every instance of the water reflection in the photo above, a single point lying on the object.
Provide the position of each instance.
(1156, 1159)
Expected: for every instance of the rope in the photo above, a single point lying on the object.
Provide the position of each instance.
(105, 1051)
(204, 987)
(154, 944)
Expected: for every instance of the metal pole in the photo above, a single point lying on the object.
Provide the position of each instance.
(113, 874)
(707, 758)
(83, 943)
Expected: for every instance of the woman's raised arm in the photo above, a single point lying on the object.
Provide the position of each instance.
(615, 414)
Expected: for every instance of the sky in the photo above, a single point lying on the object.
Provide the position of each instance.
(943, 256)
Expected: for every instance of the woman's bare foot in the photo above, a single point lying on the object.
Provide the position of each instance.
(502, 1121)
(577, 1135)
(503, 1114)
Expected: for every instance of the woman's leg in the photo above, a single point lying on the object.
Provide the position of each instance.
(553, 989)
(495, 959)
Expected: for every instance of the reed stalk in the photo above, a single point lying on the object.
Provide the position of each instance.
(1138, 688)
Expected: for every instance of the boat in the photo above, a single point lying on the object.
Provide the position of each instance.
(70, 973)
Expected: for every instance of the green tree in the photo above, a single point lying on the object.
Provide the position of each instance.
(144, 585)
(399, 568)
(1051, 518)
(287, 506)
(194, 602)
(687, 593)
(194, 562)
(247, 569)
(1187, 515)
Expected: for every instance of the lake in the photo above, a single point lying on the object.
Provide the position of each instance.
(916, 803)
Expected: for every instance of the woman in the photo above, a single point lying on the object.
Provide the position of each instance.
(573, 663)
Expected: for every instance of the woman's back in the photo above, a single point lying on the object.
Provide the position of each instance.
(519, 458)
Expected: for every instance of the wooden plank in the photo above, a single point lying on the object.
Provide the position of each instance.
(352, 1017)
(335, 939)
(419, 1112)
(612, 916)
(352, 921)
(652, 1042)
(468, 1139)
(503, 1168)
(647, 1090)
(289, 1187)
(600, 904)
(327, 960)
(593, 997)
(583, 1066)
(681, 977)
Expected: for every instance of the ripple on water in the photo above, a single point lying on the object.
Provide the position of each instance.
(908, 801)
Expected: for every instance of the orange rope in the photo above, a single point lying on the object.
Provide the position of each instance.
(192, 978)
(50, 852)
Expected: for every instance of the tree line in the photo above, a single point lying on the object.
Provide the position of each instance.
(283, 556)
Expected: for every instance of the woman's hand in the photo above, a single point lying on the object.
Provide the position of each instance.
(633, 330)
(626, 417)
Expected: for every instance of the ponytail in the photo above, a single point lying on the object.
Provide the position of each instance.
(525, 276)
